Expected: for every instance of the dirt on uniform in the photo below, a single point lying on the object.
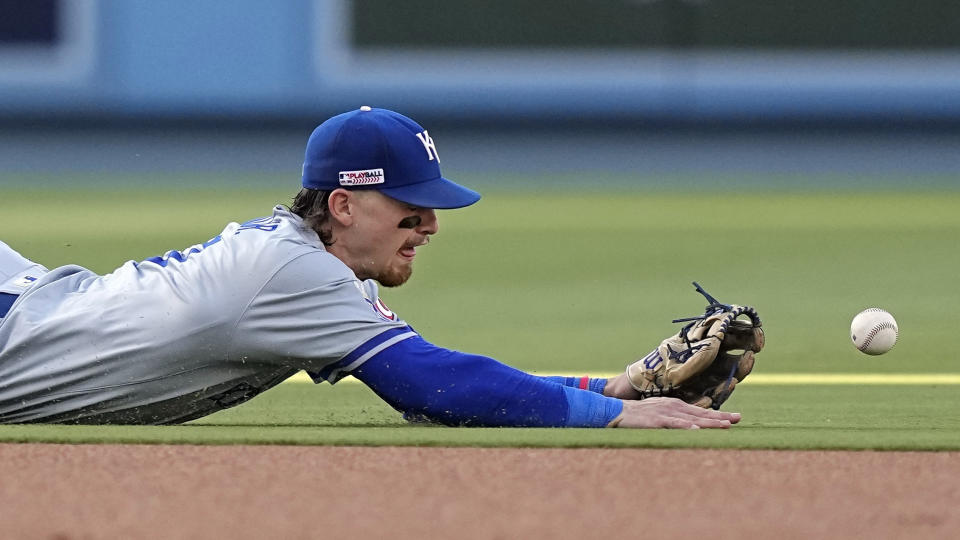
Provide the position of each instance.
(237, 492)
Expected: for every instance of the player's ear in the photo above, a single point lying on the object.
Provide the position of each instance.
(340, 205)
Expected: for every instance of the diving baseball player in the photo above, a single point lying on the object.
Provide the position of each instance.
(185, 334)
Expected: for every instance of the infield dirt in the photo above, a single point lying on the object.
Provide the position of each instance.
(114, 491)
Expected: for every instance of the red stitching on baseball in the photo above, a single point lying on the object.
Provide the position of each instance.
(875, 330)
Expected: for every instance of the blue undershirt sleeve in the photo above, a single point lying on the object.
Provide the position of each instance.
(460, 389)
(588, 411)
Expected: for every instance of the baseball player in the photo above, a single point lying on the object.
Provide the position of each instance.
(185, 334)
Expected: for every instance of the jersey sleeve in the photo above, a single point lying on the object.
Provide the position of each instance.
(312, 313)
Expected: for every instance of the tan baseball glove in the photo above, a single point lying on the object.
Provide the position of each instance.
(702, 363)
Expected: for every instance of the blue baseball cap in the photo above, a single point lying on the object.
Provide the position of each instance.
(383, 150)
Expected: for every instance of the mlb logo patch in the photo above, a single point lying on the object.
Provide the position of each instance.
(361, 178)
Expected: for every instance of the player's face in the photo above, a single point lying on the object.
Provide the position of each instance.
(382, 239)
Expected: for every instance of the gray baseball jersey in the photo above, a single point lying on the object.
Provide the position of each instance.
(177, 337)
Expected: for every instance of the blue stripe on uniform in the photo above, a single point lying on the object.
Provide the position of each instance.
(6, 300)
(341, 368)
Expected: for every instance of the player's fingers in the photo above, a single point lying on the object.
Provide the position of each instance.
(711, 423)
(710, 414)
(694, 422)
(676, 422)
(686, 416)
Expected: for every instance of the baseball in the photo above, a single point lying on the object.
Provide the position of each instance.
(874, 331)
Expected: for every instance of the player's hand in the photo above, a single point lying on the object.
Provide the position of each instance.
(671, 413)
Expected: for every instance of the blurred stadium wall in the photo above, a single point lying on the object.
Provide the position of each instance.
(736, 61)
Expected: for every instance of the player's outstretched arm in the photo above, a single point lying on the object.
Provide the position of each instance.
(461, 389)
(671, 413)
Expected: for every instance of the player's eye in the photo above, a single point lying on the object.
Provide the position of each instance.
(409, 222)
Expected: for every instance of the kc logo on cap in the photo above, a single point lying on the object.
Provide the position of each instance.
(428, 145)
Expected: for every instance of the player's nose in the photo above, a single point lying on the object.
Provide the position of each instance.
(428, 222)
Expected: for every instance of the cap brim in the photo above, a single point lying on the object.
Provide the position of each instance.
(436, 193)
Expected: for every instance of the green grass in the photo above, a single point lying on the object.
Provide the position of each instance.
(569, 281)
(797, 417)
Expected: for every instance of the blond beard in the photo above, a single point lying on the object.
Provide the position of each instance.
(395, 277)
